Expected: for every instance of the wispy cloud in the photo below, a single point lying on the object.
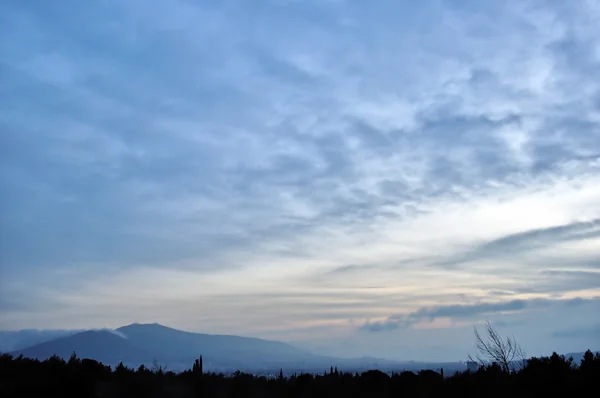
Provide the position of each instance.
(458, 311)
(539, 238)
(575, 333)
(452, 311)
(399, 155)
(522, 243)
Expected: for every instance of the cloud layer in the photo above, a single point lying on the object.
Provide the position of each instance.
(292, 169)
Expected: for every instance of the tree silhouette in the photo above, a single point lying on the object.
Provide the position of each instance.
(540, 377)
(493, 348)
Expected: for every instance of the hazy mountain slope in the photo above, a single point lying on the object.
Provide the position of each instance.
(219, 348)
(144, 343)
(577, 356)
(18, 339)
(103, 346)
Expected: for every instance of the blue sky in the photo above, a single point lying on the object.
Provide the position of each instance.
(361, 178)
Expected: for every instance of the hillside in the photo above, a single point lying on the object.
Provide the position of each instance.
(14, 340)
(148, 344)
(222, 350)
(103, 346)
(137, 344)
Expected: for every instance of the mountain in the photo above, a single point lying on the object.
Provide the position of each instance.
(148, 344)
(151, 344)
(577, 356)
(104, 346)
(18, 339)
(218, 350)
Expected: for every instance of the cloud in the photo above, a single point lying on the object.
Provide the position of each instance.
(459, 311)
(535, 239)
(575, 333)
(115, 332)
(350, 268)
(451, 311)
(560, 281)
(398, 156)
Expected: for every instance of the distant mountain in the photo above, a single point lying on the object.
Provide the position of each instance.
(219, 350)
(577, 356)
(19, 339)
(104, 346)
(147, 344)
(151, 344)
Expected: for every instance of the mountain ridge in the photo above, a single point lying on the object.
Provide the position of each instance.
(152, 343)
(136, 344)
(104, 346)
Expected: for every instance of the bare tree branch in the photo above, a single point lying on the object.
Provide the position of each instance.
(493, 348)
(158, 368)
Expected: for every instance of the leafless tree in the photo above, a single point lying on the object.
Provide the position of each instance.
(493, 348)
(158, 368)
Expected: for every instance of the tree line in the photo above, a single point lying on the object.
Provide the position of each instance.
(538, 377)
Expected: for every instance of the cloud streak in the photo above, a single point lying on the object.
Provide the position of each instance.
(390, 156)
(459, 311)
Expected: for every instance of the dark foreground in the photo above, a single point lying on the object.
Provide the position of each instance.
(553, 376)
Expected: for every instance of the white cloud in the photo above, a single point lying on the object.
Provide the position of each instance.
(186, 155)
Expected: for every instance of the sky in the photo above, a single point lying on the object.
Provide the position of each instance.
(359, 178)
